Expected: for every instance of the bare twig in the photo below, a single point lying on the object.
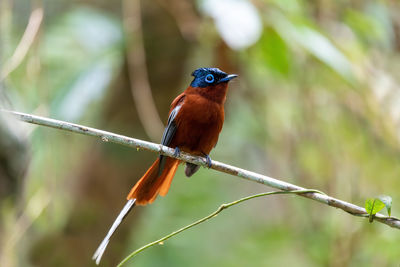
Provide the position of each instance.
(212, 215)
(219, 166)
(137, 67)
(26, 41)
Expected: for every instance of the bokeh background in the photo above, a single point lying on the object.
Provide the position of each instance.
(317, 103)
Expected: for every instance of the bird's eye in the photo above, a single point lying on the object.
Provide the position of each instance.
(209, 78)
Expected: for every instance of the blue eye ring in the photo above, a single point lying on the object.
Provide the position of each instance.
(209, 78)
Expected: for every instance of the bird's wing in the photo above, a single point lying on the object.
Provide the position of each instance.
(169, 131)
(171, 127)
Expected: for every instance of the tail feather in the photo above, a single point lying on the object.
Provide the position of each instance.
(154, 182)
(103, 245)
(145, 191)
(168, 179)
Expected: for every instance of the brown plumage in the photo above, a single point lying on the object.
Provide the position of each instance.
(151, 184)
(194, 123)
(198, 122)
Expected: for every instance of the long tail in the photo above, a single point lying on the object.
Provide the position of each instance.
(103, 245)
(154, 182)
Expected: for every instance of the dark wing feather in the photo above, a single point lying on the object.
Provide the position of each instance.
(171, 127)
(168, 134)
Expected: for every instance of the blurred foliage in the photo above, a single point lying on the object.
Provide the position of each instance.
(317, 104)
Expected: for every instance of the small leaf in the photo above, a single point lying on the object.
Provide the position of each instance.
(387, 200)
(376, 206)
(372, 206)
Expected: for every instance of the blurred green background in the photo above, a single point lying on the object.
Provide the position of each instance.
(317, 103)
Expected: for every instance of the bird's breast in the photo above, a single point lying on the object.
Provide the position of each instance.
(199, 123)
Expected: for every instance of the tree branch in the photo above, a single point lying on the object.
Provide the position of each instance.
(219, 166)
(212, 215)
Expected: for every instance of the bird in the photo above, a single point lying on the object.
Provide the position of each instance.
(194, 123)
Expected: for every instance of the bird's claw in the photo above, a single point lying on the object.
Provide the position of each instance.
(208, 160)
(177, 152)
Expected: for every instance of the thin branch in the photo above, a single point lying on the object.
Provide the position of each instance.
(212, 215)
(26, 41)
(219, 166)
(137, 68)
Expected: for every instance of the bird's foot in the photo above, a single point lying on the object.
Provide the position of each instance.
(208, 160)
(177, 152)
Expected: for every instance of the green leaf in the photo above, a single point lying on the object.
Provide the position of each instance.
(387, 200)
(372, 206)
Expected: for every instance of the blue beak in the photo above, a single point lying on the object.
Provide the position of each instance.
(228, 78)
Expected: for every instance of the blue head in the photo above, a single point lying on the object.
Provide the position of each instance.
(204, 77)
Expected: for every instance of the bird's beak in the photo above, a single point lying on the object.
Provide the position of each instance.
(228, 78)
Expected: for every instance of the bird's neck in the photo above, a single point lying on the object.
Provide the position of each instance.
(215, 93)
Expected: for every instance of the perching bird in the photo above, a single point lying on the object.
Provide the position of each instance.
(194, 123)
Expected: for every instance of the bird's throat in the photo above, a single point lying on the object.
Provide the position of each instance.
(215, 93)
